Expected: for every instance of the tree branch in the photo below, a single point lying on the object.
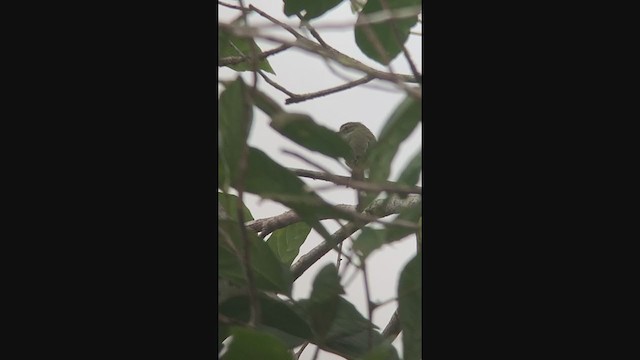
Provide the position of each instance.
(268, 225)
(388, 186)
(379, 208)
(314, 48)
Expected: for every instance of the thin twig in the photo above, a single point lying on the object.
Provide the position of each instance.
(277, 22)
(339, 259)
(313, 31)
(276, 85)
(305, 97)
(230, 6)
(386, 302)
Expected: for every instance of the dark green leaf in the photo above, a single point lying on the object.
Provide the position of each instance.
(270, 180)
(223, 174)
(229, 266)
(326, 285)
(252, 344)
(278, 318)
(410, 308)
(390, 39)
(265, 103)
(267, 178)
(349, 334)
(313, 8)
(323, 303)
(382, 351)
(411, 173)
(286, 242)
(398, 127)
(304, 131)
(348, 321)
(230, 204)
(235, 114)
(231, 45)
(227, 289)
(269, 273)
(368, 241)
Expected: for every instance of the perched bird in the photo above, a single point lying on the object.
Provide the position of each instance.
(361, 140)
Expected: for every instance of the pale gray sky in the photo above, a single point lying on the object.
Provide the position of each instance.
(301, 72)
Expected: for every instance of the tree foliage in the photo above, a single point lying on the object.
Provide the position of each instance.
(256, 256)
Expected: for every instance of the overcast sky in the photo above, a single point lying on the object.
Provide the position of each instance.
(301, 72)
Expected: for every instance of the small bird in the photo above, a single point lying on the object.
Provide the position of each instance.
(361, 140)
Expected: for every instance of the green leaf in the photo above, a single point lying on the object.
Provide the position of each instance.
(223, 174)
(267, 178)
(382, 351)
(265, 103)
(326, 285)
(398, 127)
(270, 180)
(313, 8)
(229, 266)
(323, 303)
(368, 241)
(231, 45)
(269, 273)
(391, 41)
(230, 204)
(252, 344)
(348, 321)
(349, 334)
(235, 114)
(286, 242)
(411, 173)
(410, 308)
(305, 132)
(278, 318)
